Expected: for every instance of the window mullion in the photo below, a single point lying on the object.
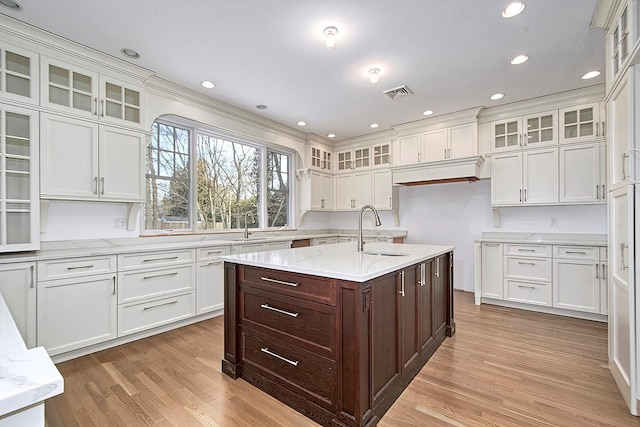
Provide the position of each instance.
(262, 206)
(193, 180)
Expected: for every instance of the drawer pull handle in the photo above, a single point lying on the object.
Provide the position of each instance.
(215, 262)
(160, 259)
(492, 245)
(526, 250)
(33, 276)
(280, 282)
(270, 353)
(175, 273)
(160, 305)
(576, 252)
(80, 266)
(214, 252)
(288, 313)
(526, 263)
(527, 287)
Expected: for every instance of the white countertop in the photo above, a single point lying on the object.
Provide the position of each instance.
(341, 260)
(27, 376)
(546, 238)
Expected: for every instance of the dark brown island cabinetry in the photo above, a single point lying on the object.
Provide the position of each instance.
(340, 352)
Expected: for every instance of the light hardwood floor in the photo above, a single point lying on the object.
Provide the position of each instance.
(503, 367)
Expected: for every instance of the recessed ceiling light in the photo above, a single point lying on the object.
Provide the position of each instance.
(261, 107)
(374, 74)
(591, 74)
(129, 53)
(330, 36)
(497, 96)
(301, 123)
(427, 113)
(207, 84)
(514, 8)
(10, 4)
(520, 59)
(373, 125)
(331, 135)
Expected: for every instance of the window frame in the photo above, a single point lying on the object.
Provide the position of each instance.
(263, 148)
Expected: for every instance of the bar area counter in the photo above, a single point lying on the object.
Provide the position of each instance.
(335, 333)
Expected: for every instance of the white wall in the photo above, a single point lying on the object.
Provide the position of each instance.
(457, 214)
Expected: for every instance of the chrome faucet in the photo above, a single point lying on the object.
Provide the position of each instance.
(378, 224)
(246, 225)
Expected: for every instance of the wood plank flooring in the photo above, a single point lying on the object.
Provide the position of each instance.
(504, 367)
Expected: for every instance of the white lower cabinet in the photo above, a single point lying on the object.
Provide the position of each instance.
(246, 248)
(18, 289)
(563, 277)
(210, 279)
(76, 312)
(137, 317)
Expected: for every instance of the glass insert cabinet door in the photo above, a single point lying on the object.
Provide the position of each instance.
(541, 129)
(506, 134)
(69, 88)
(382, 154)
(120, 101)
(581, 123)
(19, 214)
(18, 74)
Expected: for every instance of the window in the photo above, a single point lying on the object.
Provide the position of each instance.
(230, 182)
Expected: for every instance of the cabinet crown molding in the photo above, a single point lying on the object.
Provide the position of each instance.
(446, 120)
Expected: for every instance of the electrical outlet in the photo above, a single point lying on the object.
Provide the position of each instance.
(119, 223)
(554, 222)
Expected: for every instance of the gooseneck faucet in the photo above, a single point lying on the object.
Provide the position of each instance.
(246, 225)
(378, 224)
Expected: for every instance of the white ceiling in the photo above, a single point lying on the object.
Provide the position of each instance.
(453, 54)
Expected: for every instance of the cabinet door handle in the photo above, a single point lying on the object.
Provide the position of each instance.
(418, 157)
(389, 201)
(160, 305)
(526, 250)
(160, 259)
(114, 285)
(604, 195)
(449, 149)
(604, 129)
(175, 273)
(280, 282)
(526, 263)
(214, 263)
(102, 182)
(521, 195)
(437, 272)
(576, 252)
(95, 179)
(288, 313)
(624, 156)
(604, 274)
(102, 107)
(95, 106)
(402, 283)
(526, 287)
(33, 276)
(597, 129)
(321, 203)
(80, 267)
(597, 270)
(622, 266)
(525, 194)
(445, 153)
(597, 192)
(423, 274)
(213, 252)
(277, 356)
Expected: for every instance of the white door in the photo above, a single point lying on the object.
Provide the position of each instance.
(506, 134)
(540, 176)
(344, 192)
(580, 123)
(434, 145)
(68, 88)
(75, 313)
(361, 189)
(18, 289)
(210, 286)
(122, 164)
(327, 191)
(576, 285)
(68, 157)
(409, 147)
(492, 267)
(580, 173)
(506, 179)
(120, 102)
(316, 190)
(540, 129)
(620, 133)
(463, 141)
(382, 189)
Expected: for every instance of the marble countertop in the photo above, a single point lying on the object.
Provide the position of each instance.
(341, 260)
(546, 238)
(96, 247)
(27, 376)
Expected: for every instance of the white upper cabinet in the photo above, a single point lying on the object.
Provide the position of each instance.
(434, 146)
(353, 159)
(19, 165)
(381, 154)
(620, 107)
(107, 163)
(383, 193)
(581, 123)
(320, 158)
(410, 147)
(321, 191)
(530, 131)
(619, 41)
(462, 141)
(86, 93)
(439, 144)
(582, 173)
(18, 74)
(353, 190)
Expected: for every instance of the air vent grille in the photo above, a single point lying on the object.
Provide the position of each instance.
(398, 92)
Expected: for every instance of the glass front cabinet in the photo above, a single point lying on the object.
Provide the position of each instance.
(19, 198)
(18, 74)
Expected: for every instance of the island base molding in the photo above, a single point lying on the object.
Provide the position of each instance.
(339, 352)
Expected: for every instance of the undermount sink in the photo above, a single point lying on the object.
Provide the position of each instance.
(385, 253)
(250, 239)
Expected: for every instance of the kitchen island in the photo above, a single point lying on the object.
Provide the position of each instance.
(335, 333)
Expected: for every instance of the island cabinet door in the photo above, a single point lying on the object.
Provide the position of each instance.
(439, 279)
(385, 313)
(425, 289)
(409, 326)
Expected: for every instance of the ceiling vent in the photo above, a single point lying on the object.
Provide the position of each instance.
(398, 92)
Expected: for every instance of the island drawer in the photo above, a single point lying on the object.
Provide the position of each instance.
(299, 370)
(137, 285)
(528, 292)
(304, 320)
(312, 288)
(528, 268)
(153, 259)
(528, 250)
